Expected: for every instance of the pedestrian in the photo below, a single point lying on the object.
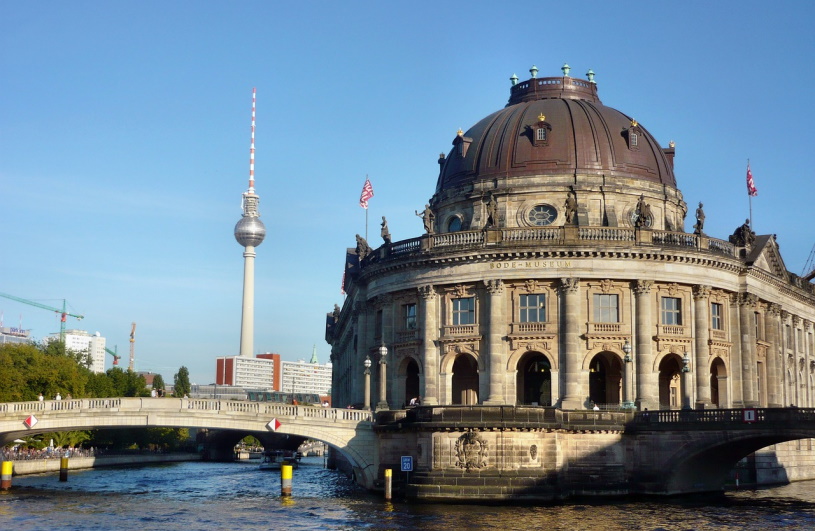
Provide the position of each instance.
(58, 397)
(40, 398)
(413, 401)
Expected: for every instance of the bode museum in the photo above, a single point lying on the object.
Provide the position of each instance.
(560, 269)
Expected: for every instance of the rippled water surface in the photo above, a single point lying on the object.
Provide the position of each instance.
(238, 496)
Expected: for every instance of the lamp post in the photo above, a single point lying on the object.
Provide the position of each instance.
(686, 381)
(367, 403)
(629, 375)
(383, 365)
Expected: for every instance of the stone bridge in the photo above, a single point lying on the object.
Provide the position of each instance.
(677, 452)
(347, 430)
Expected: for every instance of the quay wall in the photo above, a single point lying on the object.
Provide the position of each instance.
(41, 466)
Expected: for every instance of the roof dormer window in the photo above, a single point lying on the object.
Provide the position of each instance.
(632, 135)
(461, 143)
(540, 131)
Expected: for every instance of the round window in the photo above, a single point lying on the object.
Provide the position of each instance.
(542, 215)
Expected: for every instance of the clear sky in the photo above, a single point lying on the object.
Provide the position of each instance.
(124, 142)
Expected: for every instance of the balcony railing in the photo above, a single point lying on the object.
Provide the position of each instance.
(672, 330)
(533, 328)
(605, 328)
(461, 330)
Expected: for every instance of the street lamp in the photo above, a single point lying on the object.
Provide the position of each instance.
(627, 402)
(686, 381)
(383, 365)
(367, 363)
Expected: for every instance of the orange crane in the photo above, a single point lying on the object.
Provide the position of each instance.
(63, 313)
(132, 346)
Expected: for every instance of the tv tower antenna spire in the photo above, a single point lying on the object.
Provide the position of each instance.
(249, 232)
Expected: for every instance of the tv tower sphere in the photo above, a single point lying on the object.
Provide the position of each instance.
(250, 231)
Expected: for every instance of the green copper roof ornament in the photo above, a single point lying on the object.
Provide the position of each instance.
(590, 75)
(513, 80)
(534, 71)
(566, 68)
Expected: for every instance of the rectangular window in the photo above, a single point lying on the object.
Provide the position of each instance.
(671, 311)
(533, 308)
(716, 316)
(464, 311)
(634, 139)
(410, 316)
(542, 133)
(378, 324)
(606, 308)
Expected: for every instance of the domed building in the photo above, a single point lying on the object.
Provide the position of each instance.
(556, 271)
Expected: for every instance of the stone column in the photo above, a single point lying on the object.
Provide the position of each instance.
(808, 360)
(701, 367)
(773, 356)
(361, 316)
(385, 303)
(786, 397)
(747, 304)
(647, 380)
(496, 331)
(430, 332)
(734, 370)
(569, 338)
(798, 362)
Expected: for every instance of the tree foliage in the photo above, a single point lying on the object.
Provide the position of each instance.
(158, 382)
(182, 382)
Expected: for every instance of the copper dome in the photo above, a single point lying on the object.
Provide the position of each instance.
(582, 137)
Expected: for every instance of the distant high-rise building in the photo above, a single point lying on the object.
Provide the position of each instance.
(14, 335)
(81, 342)
(302, 377)
(259, 372)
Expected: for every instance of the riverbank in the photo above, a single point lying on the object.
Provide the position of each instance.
(41, 466)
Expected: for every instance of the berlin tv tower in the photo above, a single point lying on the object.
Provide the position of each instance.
(250, 233)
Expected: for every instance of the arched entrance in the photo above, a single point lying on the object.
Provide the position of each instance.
(411, 380)
(534, 380)
(605, 379)
(670, 377)
(718, 384)
(465, 380)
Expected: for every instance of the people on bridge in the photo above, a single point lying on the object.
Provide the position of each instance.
(58, 397)
(40, 398)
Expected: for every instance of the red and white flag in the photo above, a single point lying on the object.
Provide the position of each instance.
(751, 186)
(367, 193)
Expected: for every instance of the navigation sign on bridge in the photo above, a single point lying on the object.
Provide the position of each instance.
(407, 463)
(274, 425)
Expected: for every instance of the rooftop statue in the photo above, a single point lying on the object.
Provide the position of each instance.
(428, 217)
(385, 233)
(363, 249)
(700, 220)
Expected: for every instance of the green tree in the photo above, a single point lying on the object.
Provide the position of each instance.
(182, 382)
(158, 382)
(29, 369)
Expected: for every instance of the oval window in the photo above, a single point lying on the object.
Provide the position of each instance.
(542, 215)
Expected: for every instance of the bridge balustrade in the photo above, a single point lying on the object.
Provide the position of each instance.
(715, 418)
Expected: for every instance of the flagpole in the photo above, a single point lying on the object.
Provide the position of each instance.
(750, 199)
(366, 214)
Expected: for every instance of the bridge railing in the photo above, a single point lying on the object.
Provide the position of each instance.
(178, 404)
(671, 419)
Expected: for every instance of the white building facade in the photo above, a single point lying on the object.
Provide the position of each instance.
(81, 341)
(302, 377)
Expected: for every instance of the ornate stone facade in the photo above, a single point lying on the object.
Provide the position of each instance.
(581, 286)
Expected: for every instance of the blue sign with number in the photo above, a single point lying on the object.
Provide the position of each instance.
(407, 463)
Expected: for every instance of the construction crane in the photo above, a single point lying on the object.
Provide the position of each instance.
(808, 273)
(63, 313)
(132, 347)
(113, 353)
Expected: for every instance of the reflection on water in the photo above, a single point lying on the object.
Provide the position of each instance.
(238, 496)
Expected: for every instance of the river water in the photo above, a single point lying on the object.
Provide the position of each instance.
(239, 497)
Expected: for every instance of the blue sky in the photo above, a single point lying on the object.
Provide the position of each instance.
(124, 140)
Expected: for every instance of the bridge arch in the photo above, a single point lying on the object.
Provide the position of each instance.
(350, 431)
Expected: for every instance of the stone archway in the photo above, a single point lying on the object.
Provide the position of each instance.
(411, 380)
(670, 379)
(605, 379)
(718, 383)
(534, 380)
(465, 380)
